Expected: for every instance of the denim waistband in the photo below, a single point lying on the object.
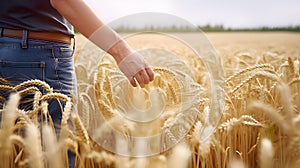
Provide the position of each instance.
(25, 42)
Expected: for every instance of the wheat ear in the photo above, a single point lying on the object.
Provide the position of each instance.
(3, 81)
(80, 130)
(33, 146)
(55, 96)
(266, 154)
(262, 66)
(274, 115)
(51, 147)
(256, 74)
(34, 82)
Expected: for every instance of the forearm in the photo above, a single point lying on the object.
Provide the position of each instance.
(87, 23)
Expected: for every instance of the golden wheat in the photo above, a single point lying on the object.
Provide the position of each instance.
(34, 152)
(262, 111)
(34, 82)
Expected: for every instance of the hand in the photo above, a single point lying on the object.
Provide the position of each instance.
(135, 68)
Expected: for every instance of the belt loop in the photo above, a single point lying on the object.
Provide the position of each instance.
(24, 39)
(74, 44)
(1, 31)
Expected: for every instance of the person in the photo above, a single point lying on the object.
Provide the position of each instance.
(36, 43)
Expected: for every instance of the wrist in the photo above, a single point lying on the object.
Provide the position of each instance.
(120, 54)
(132, 64)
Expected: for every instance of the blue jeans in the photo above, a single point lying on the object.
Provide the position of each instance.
(47, 61)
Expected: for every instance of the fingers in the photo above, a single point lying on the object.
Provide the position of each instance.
(136, 69)
(133, 83)
(150, 73)
(143, 77)
(140, 80)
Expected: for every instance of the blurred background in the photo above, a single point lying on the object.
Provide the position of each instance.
(213, 15)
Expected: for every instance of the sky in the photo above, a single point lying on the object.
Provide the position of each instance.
(229, 13)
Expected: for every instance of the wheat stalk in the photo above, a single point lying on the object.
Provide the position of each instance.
(266, 154)
(33, 146)
(66, 113)
(291, 67)
(3, 81)
(286, 101)
(87, 108)
(51, 148)
(59, 96)
(34, 82)
(28, 90)
(249, 69)
(80, 130)
(6, 87)
(107, 87)
(256, 74)
(294, 81)
(273, 114)
(9, 116)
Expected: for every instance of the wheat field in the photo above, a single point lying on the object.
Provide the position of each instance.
(258, 128)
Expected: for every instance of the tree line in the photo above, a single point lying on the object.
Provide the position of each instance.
(206, 28)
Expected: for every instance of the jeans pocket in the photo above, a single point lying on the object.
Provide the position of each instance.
(64, 67)
(17, 72)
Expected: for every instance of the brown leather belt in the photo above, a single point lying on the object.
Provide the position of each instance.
(48, 36)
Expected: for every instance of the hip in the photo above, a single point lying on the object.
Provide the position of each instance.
(51, 62)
